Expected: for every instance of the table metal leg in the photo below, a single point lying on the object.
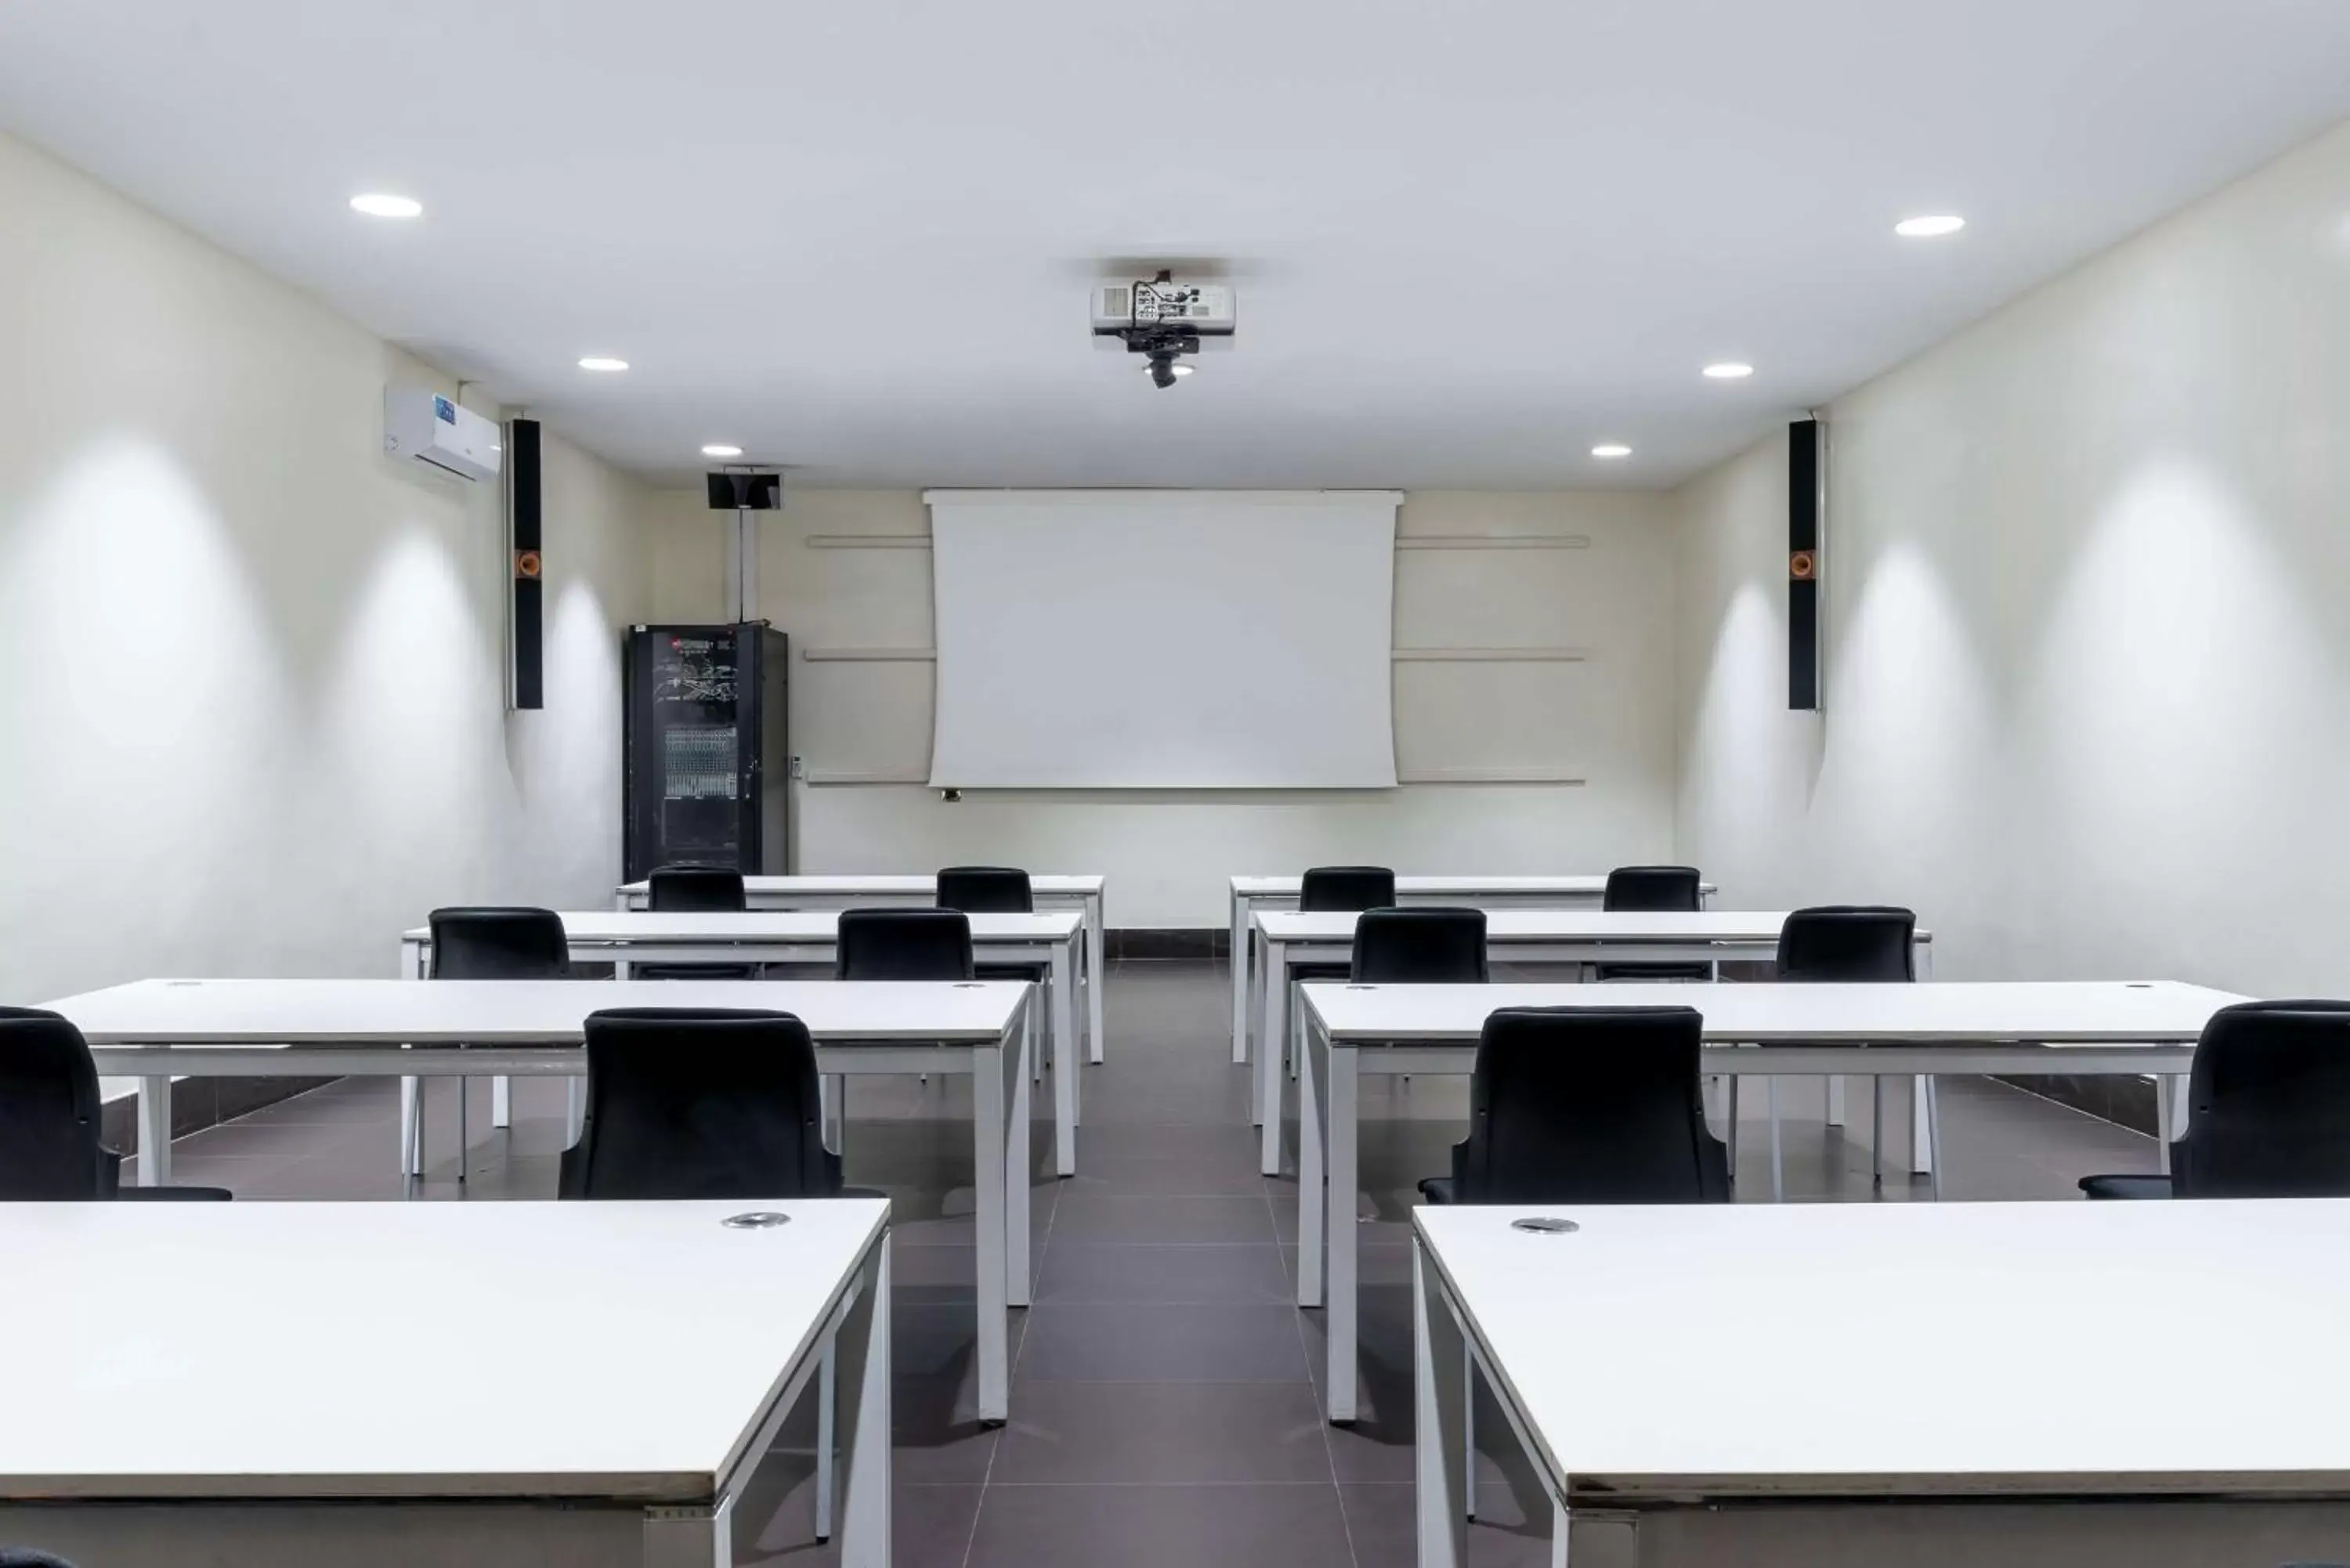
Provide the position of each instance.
(990, 1103)
(1067, 1060)
(502, 1102)
(1923, 1155)
(864, 1350)
(464, 1137)
(1097, 947)
(1272, 1021)
(1778, 1170)
(827, 1395)
(1338, 1094)
(1876, 1132)
(1469, 1428)
(575, 1108)
(1933, 1134)
(2165, 1119)
(411, 1135)
(1240, 978)
(1441, 1421)
(1835, 1099)
(1313, 1195)
(1017, 1268)
(155, 1130)
(1730, 1132)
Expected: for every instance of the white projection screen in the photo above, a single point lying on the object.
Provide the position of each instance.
(1163, 639)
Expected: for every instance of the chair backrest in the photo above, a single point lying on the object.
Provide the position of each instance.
(1848, 942)
(1332, 889)
(49, 1148)
(699, 1102)
(1588, 1105)
(1667, 888)
(497, 942)
(985, 890)
(904, 944)
(694, 890)
(2269, 1104)
(1420, 947)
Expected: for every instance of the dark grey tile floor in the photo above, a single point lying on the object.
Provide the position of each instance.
(1163, 1388)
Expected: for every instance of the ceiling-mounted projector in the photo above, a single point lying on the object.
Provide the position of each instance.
(1163, 319)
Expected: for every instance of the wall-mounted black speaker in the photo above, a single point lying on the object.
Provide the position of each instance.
(1804, 469)
(527, 668)
(753, 492)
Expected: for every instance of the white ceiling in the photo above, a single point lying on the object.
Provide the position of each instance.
(1475, 236)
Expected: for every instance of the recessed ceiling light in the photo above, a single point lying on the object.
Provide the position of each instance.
(379, 205)
(1611, 449)
(1728, 370)
(1178, 370)
(717, 449)
(1929, 228)
(602, 362)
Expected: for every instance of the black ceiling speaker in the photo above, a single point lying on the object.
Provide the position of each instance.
(734, 491)
(526, 658)
(1806, 478)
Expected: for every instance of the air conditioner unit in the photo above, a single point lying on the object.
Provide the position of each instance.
(425, 425)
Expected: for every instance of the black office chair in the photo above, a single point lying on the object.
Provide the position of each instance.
(1420, 947)
(985, 890)
(2269, 1109)
(687, 1103)
(1586, 1105)
(1653, 889)
(1844, 944)
(499, 943)
(486, 941)
(1848, 942)
(1335, 889)
(50, 1111)
(1326, 888)
(699, 1103)
(904, 944)
(695, 889)
(991, 890)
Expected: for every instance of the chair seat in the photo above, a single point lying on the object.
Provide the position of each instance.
(173, 1195)
(1037, 971)
(1439, 1189)
(1321, 971)
(2132, 1187)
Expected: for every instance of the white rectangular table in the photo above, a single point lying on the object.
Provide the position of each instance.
(2028, 1028)
(1286, 937)
(842, 890)
(371, 1384)
(1252, 894)
(627, 937)
(2220, 1439)
(153, 1029)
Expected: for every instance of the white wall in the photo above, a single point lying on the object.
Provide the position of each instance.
(2088, 567)
(251, 668)
(1607, 720)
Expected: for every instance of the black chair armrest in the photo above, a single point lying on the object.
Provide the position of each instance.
(571, 1173)
(173, 1195)
(1439, 1189)
(2132, 1187)
(1713, 1180)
